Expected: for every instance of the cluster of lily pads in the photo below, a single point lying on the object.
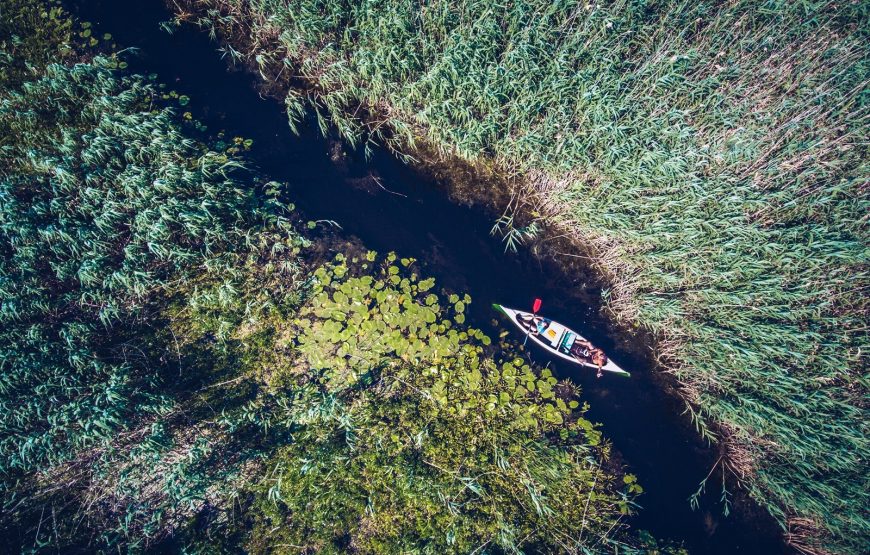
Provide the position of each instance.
(412, 434)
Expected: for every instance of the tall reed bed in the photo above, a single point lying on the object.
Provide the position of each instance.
(711, 155)
(105, 204)
(109, 212)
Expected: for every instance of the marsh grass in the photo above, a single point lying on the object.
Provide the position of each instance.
(108, 211)
(711, 155)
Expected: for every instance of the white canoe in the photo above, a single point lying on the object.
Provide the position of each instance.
(557, 339)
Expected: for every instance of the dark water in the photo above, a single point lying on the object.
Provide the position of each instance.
(414, 218)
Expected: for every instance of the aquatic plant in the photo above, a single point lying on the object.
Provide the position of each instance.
(32, 35)
(512, 235)
(710, 156)
(408, 437)
(368, 415)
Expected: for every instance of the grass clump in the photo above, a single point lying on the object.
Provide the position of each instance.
(34, 35)
(712, 156)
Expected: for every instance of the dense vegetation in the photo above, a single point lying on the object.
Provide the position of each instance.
(107, 206)
(711, 156)
(408, 438)
(103, 202)
(177, 375)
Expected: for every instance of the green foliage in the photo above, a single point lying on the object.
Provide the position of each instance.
(33, 34)
(108, 213)
(104, 203)
(712, 154)
(407, 437)
(369, 440)
(178, 479)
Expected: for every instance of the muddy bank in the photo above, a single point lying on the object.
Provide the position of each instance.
(391, 206)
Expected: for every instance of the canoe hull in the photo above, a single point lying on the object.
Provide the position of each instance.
(553, 337)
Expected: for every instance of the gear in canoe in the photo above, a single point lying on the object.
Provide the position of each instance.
(561, 341)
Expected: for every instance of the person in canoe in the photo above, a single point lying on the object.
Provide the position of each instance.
(581, 349)
(535, 325)
(560, 340)
(585, 351)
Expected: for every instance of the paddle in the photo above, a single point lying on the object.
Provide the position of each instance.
(536, 306)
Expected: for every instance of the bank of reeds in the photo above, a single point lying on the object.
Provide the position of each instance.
(712, 156)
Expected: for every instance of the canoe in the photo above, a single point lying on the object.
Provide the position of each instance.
(558, 339)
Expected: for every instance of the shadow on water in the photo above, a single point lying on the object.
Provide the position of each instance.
(409, 215)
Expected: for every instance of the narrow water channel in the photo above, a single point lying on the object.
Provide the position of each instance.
(415, 218)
